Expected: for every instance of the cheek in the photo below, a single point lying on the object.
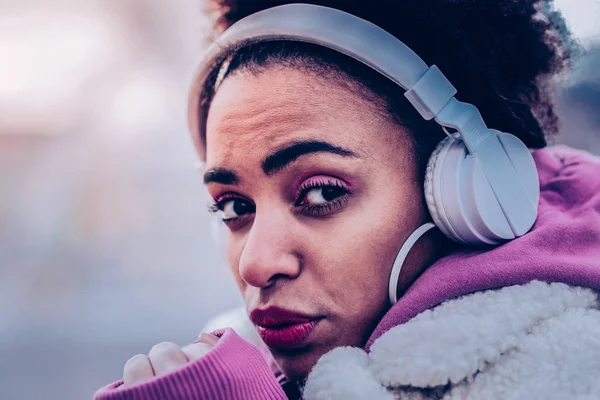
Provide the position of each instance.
(354, 263)
(234, 251)
(358, 254)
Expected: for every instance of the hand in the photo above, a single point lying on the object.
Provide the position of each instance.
(163, 358)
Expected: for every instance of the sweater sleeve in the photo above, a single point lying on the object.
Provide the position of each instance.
(233, 369)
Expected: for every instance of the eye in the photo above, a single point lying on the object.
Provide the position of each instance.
(322, 195)
(232, 208)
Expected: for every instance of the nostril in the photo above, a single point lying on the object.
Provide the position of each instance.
(276, 277)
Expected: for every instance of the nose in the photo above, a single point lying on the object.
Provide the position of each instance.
(270, 250)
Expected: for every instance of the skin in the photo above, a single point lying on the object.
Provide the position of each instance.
(334, 263)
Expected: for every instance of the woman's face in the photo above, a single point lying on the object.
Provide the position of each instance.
(318, 192)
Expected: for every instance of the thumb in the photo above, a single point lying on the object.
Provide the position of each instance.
(196, 351)
(207, 338)
(200, 347)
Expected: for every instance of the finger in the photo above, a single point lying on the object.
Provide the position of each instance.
(196, 351)
(166, 357)
(207, 338)
(137, 370)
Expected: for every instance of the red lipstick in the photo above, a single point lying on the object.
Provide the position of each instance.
(281, 328)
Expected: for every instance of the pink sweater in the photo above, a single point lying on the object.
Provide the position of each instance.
(233, 369)
(563, 246)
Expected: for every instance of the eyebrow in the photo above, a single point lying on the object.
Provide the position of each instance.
(278, 160)
(290, 153)
(221, 175)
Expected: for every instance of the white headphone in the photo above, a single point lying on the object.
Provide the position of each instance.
(481, 185)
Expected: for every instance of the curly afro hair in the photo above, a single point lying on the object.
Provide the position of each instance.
(501, 55)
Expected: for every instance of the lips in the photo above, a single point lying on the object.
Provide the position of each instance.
(280, 328)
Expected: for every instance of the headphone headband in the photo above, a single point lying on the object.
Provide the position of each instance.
(428, 90)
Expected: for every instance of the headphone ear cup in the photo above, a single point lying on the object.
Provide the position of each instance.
(433, 169)
(460, 197)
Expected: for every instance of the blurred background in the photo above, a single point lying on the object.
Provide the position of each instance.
(105, 242)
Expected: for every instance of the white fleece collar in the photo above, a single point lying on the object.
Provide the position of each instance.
(483, 345)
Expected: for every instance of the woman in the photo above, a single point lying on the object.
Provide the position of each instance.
(316, 163)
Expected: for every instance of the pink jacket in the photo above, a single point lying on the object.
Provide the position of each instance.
(563, 246)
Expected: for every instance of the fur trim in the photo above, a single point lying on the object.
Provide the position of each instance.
(346, 364)
(536, 340)
(460, 337)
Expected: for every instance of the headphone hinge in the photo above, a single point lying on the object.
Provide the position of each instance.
(431, 93)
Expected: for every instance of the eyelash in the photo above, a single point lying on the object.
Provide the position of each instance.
(320, 209)
(302, 191)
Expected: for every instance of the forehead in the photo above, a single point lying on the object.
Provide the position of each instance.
(254, 114)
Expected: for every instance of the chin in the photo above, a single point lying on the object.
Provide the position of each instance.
(296, 364)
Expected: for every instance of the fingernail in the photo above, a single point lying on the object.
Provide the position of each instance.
(207, 338)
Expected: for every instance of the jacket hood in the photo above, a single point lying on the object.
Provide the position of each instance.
(563, 245)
